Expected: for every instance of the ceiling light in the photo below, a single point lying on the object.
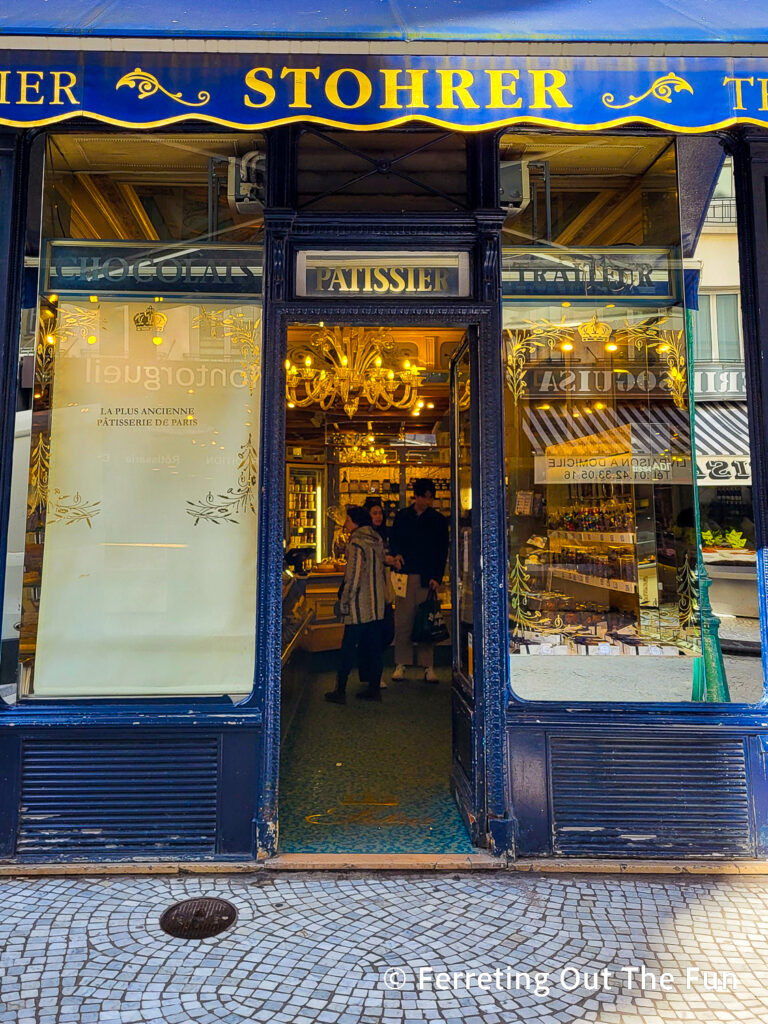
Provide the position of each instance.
(347, 365)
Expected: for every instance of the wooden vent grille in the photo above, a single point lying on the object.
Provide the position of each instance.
(119, 798)
(668, 797)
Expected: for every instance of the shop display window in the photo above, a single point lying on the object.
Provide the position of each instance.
(610, 535)
(139, 445)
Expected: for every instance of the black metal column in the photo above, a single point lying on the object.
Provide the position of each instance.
(750, 162)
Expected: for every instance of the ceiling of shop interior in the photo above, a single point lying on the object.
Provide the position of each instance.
(601, 184)
(127, 187)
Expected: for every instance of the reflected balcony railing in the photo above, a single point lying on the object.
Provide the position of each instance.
(721, 211)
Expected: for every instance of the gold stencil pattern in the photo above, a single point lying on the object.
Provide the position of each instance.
(224, 508)
(70, 509)
(244, 331)
(518, 346)
(39, 468)
(519, 591)
(673, 348)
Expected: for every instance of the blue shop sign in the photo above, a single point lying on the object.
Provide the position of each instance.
(132, 268)
(255, 91)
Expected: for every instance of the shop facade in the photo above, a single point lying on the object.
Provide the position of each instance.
(177, 226)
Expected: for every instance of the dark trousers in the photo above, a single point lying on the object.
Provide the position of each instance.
(361, 644)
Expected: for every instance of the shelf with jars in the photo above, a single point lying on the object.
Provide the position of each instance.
(303, 501)
(593, 543)
(359, 485)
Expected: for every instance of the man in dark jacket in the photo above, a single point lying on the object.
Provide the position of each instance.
(419, 547)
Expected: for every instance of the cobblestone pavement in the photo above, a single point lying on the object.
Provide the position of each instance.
(345, 949)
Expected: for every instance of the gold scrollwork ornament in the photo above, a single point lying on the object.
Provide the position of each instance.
(661, 89)
(71, 509)
(147, 85)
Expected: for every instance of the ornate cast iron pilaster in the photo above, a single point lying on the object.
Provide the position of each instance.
(488, 261)
(277, 276)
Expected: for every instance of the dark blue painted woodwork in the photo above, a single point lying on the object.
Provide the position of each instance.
(115, 781)
(509, 789)
(11, 258)
(649, 796)
(750, 166)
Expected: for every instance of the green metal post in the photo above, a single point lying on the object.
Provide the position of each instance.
(709, 678)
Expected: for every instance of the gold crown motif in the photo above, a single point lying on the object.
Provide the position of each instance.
(595, 330)
(150, 320)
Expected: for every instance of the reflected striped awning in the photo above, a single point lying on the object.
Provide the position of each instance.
(653, 429)
(721, 428)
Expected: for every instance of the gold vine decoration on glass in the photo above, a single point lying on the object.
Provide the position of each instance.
(661, 89)
(44, 360)
(67, 509)
(518, 347)
(687, 594)
(224, 508)
(643, 333)
(72, 322)
(672, 347)
(244, 331)
(147, 85)
(39, 467)
(519, 591)
(553, 334)
(520, 343)
(75, 322)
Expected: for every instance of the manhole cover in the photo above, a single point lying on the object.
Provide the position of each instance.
(199, 918)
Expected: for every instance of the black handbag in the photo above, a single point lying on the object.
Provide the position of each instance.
(388, 626)
(428, 625)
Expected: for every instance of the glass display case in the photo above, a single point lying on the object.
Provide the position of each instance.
(304, 510)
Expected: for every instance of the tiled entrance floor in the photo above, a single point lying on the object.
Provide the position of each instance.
(368, 777)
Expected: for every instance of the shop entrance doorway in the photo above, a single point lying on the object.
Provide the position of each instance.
(371, 413)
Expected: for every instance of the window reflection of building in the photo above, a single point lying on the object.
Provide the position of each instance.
(602, 522)
(722, 431)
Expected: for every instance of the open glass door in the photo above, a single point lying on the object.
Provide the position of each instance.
(467, 773)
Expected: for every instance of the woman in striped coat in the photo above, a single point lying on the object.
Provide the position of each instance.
(362, 604)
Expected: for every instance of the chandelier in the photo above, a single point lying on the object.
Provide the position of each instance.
(359, 449)
(347, 365)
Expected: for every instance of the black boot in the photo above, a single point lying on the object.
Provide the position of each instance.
(369, 693)
(336, 696)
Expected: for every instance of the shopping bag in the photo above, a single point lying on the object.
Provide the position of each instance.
(428, 624)
(399, 583)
